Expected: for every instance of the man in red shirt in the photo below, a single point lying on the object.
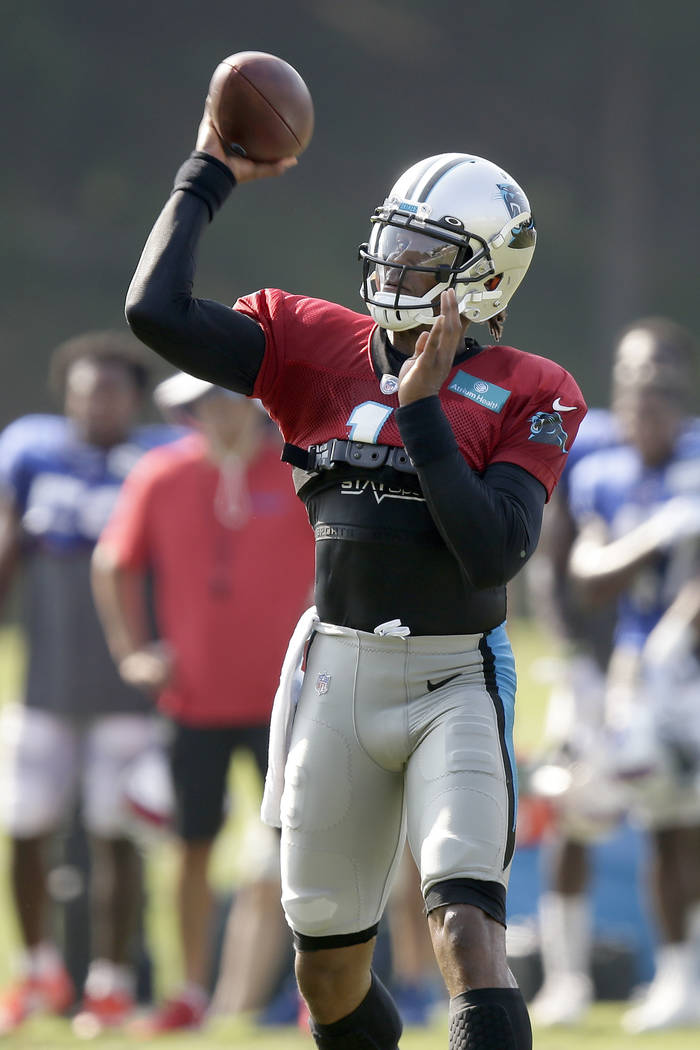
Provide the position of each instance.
(204, 521)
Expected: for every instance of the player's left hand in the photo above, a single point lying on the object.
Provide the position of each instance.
(423, 374)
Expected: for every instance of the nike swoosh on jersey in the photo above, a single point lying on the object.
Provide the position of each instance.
(558, 407)
(432, 686)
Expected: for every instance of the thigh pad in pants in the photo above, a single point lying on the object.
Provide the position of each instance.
(365, 717)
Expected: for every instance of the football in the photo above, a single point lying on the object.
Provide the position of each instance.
(260, 106)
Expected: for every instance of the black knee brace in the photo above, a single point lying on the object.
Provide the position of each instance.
(374, 1025)
(490, 1019)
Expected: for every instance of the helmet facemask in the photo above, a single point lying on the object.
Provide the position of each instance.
(410, 260)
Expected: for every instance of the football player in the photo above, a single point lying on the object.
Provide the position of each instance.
(79, 725)
(424, 460)
(638, 511)
(588, 808)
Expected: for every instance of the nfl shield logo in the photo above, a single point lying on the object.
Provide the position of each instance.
(323, 681)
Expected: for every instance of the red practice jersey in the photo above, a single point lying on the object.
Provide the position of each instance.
(319, 381)
(226, 596)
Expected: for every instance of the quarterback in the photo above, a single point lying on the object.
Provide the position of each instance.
(424, 460)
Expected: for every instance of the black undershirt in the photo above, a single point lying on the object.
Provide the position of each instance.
(434, 549)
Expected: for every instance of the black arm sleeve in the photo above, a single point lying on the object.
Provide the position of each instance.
(491, 523)
(204, 338)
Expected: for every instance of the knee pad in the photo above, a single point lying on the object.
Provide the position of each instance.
(308, 911)
(490, 1019)
(374, 1025)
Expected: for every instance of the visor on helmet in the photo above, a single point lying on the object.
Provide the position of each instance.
(406, 250)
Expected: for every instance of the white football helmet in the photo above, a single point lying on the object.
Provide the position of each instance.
(458, 218)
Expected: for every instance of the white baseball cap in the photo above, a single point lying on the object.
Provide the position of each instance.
(181, 390)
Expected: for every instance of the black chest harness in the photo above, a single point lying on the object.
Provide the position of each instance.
(362, 454)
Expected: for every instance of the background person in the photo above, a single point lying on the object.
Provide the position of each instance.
(572, 731)
(213, 524)
(638, 510)
(80, 725)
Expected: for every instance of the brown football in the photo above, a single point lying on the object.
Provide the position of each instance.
(260, 106)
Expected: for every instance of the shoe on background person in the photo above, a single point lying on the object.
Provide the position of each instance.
(672, 1000)
(108, 999)
(186, 1010)
(44, 987)
(100, 1012)
(564, 999)
(565, 943)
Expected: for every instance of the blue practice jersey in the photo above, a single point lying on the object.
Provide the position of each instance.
(63, 491)
(599, 430)
(616, 486)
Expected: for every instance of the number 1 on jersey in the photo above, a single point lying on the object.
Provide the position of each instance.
(366, 420)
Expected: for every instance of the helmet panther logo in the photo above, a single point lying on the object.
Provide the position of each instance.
(514, 199)
(548, 429)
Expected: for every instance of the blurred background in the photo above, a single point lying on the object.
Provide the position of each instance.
(592, 108)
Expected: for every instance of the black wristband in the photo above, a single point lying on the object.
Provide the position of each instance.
(207, 178)
(425, 430)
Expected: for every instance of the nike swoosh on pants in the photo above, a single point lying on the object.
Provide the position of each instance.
(432, 686)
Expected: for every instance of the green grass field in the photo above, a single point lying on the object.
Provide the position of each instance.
(601, 1030)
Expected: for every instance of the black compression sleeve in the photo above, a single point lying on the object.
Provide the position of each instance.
(491, 523)
(206, 177)
(199, 336)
